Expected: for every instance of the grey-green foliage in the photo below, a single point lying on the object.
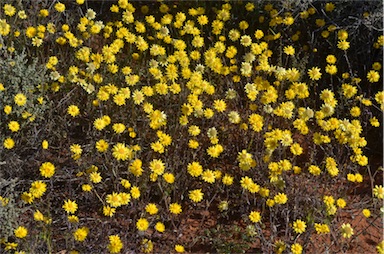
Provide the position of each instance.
(9, 212)
(19, 74)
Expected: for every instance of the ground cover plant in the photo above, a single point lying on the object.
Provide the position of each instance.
(191, 126)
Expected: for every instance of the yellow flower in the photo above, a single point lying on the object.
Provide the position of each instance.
(331, 166)
(234, 117)
(20, 232)
(9, 245)
(70, 206)
(160, 227)
(280, 198)
(321, 228)
(126, 184)
(374, 122)
(44, 144)
(255, 216)
(76, 149)
(379, 97)
(246, 182)
(331, 59)
(179, 248)
(80, 234)
(142, 224)
(125, 198)
(373, 76)
(109, 211)
(202, 20)
(115, 244)
(121, 152)
(289, 50)
(329, 7)
(38, 189)
(378, 191)
(138, 97)
(348, 90)
(38, 216)
(215, 151)
(146, 246)
(355, 111)
(243, 25)
(249, 6)
(256, 121)
(193, 144)
(208, 113)
(194, 169)
(114, 199)
(5, 29)
(43, 13)
(342, 34)
(157, 166)
(346, 230)
(314, 73)
(59, 7)
(151, 209)
(227, 179)
(73, 219)
(380, 247)
(314, 170)
(299, 226)
(102, 145)
(196, 195)
(351, 177)
(280, 246)
(9, 143)
(259, 34)
(296, 248)
(14, 126)
(194, 130)
(9, 10)
(20, 99)
(343, 45)
(208, 176)
(95, 177)
(22, 14)
(219, 105)
(7, 109)
(223, 206)
(47, 169)
(99, 124)
(366, 213)
(320, 22)
(270, 202)
(136, 167)
(86, 187)
(175, 208)
(73, 110)
(246, 40)
(376, 66)
(331, 69)
(118, 128)
(135, 192)
(358, 178)
(234, 35)
(296, 149)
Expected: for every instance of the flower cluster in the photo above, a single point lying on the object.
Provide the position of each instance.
(163, 114)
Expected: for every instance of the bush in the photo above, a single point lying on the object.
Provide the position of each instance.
(250, 120)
